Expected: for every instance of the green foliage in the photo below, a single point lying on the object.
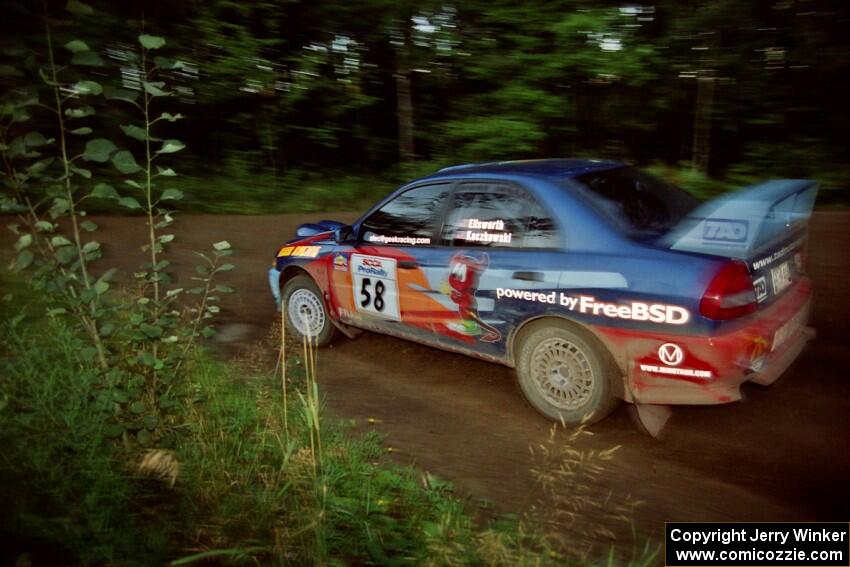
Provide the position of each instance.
(795, 159)
(151, 41)
(763, 162)
(690, 179)
(136, 344)
(73, 500)
(125, 163)
(79, 8)
(291, 97)
(36, 185)
(99, 150)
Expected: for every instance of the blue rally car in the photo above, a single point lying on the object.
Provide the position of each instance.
(595, 281)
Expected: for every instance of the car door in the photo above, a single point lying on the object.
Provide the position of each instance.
(497, 241)
(377, 281)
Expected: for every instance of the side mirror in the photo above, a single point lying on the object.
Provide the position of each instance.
(343, 234)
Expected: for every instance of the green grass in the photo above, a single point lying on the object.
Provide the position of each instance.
(73, 498)
(265, 195)
(252, 483)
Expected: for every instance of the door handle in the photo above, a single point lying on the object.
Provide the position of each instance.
(407, 264)
(528, 276)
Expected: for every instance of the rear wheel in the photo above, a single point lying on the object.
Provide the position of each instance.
(565, 373)
(305, 311)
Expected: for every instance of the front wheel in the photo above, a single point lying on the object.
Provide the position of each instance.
(305, 311)
(565, 373)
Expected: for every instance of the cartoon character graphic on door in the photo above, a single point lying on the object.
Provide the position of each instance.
(464, 273)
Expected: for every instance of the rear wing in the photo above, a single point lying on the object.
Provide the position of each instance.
(743, 223)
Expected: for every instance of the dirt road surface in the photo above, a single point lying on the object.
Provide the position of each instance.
(781, 454)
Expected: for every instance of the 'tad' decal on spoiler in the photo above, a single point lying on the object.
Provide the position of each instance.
(725, 230)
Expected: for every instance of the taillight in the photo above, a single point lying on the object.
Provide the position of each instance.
(730, 293)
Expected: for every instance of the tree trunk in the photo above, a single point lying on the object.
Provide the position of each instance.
(405, 117)
(702, 123)
(404, 97)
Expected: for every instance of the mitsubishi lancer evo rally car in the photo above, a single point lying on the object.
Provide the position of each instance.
(594, 281)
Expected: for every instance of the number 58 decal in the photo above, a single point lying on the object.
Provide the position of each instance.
(375, 286)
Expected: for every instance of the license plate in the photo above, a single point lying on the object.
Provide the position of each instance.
(788, 330)
(781, 277)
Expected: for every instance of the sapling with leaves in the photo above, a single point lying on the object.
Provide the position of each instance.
(156, 321)
(135, 351)
(42, 187)
(207, 306)
(163, 328)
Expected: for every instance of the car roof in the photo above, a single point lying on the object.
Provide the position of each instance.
(551, 169)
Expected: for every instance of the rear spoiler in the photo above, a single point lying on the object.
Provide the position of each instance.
(743, 223)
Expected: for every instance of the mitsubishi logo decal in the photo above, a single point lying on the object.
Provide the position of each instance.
(671, 354)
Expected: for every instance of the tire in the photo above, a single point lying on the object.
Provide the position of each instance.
(305, 311)
(565, 373)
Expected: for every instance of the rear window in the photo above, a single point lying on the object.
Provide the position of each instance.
(642, 204)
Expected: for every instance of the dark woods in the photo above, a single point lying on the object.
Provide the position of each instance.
(292, 93)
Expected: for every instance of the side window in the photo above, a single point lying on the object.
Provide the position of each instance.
(497, 215)
(408, 219)
(541, 231)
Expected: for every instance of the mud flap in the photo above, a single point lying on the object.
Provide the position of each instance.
(650, 418)
(347, 330)
(350, 332)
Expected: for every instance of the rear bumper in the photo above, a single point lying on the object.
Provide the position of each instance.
(780, 363)
(713, 368)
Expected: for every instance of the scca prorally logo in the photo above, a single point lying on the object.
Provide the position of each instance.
(671, 354)
(372, 267)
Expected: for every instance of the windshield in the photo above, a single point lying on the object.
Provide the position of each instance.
(642, 204)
